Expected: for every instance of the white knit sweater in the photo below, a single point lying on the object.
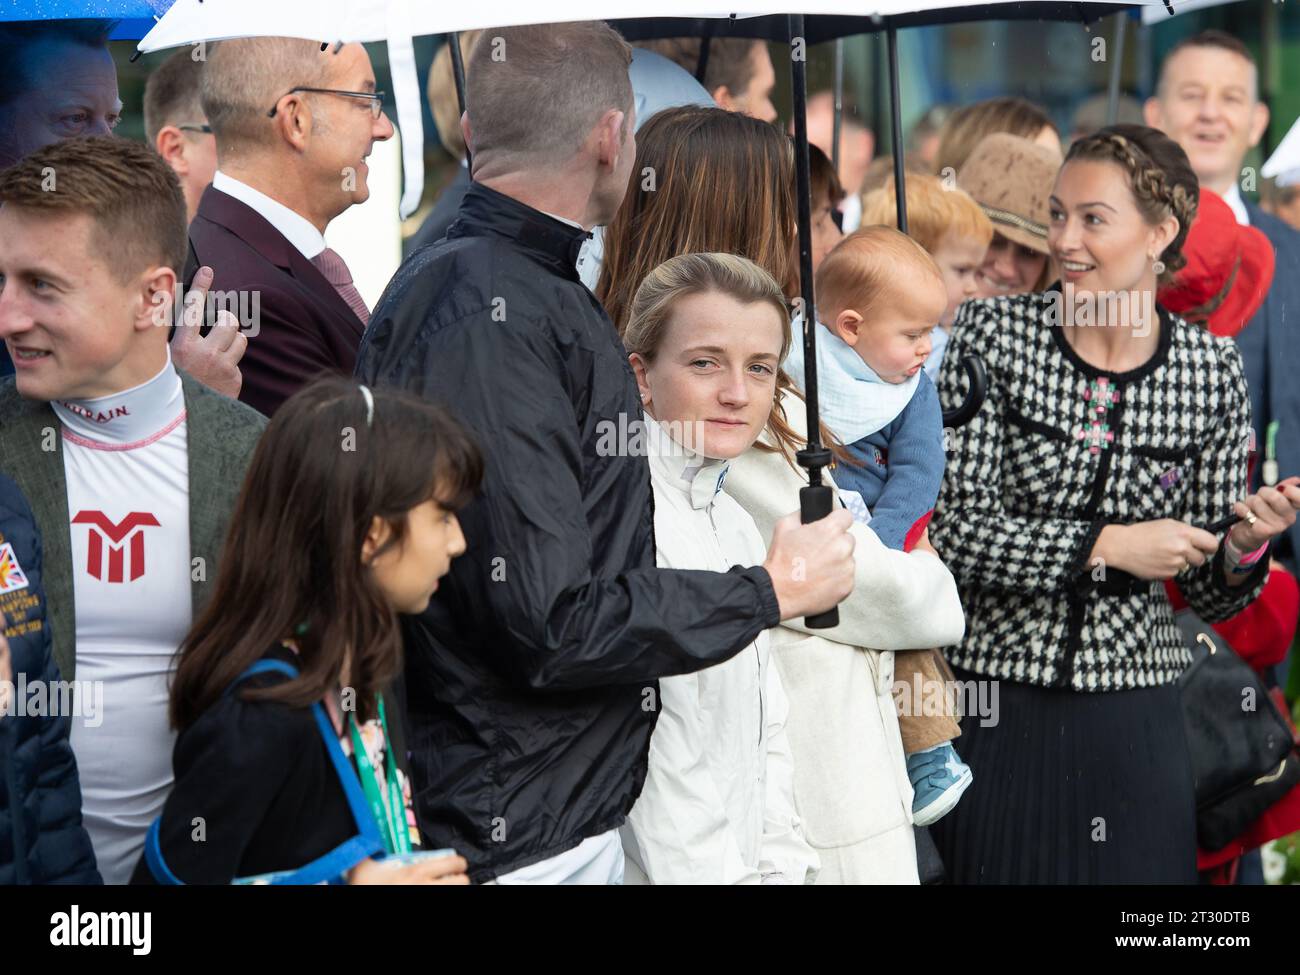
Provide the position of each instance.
(850, 779)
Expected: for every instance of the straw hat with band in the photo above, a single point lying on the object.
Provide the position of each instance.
(1011, 179)
(1228, 272)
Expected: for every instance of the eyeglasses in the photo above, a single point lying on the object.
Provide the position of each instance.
(376, 98)
(205, 129)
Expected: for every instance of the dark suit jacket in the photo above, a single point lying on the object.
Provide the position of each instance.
(443, 213)
(304, 328)
(1270, 346)
(221, 435)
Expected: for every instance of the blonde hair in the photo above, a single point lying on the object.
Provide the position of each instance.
(863, 268)
(933, 212)
(969, 124)
(442, 94)
(727, 274)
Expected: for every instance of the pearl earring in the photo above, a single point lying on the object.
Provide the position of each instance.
(1158, 266)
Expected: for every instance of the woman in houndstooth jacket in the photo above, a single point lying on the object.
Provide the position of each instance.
(1087, 477)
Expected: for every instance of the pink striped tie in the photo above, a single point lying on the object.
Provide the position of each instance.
(336, 273)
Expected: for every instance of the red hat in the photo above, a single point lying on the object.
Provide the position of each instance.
(1228, 272)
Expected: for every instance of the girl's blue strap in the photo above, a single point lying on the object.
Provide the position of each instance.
(266, 666)
(368, 828)
(351, 784)
(154, 859)
(332, 866)
(323, 869)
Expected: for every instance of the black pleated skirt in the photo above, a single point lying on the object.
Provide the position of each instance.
(1074, 788)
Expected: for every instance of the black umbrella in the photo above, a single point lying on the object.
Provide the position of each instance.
(815, 500)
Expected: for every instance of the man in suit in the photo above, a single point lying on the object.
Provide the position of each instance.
(1207, 100)
(131, 467)
(293, 126)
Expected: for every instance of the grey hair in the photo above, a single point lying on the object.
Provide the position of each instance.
(243, 78)
(534, 93)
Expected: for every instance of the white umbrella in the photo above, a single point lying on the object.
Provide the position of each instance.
(396, 21)
(367, 20)
(1155, 13)
(1286, 157)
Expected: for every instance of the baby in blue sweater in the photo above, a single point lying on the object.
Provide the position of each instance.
(880, 294)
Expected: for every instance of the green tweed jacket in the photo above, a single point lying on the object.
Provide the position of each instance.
(221, 434)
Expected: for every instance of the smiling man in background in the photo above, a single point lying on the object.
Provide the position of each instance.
(293, 125)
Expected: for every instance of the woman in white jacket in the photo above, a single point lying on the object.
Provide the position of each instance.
(850, 776)
(706, 335)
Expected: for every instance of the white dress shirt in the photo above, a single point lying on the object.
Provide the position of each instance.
(295, 228)
(1234, 200)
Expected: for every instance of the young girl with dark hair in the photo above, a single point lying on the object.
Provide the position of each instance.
(285, 770)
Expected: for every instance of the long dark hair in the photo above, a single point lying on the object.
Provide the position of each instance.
(724, 184)
(291, 563)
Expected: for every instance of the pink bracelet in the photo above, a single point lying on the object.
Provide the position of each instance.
(1248, 559)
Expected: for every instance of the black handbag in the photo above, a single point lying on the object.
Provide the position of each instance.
(1244, 757)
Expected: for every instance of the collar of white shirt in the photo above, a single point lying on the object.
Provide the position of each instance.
(1238, 205)
(133, 417)
(295, 228)
(556, 216)
(674, 455)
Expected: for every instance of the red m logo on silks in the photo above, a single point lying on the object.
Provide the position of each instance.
(101, 526)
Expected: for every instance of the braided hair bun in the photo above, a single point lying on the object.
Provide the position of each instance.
(1160, 177)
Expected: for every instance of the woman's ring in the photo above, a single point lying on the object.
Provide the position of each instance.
(1251, 519)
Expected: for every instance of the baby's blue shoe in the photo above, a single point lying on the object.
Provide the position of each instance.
(939, 777)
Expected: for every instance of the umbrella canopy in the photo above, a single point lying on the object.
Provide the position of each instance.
(1155, 14)
(1286, 157)
(396, 21)
(189, 21)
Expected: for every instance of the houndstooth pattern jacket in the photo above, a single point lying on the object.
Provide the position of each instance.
(1060, 449)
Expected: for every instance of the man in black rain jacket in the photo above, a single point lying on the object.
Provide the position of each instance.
(531, 679)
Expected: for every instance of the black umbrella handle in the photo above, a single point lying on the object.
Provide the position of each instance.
(978, 377)
(815, 503)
